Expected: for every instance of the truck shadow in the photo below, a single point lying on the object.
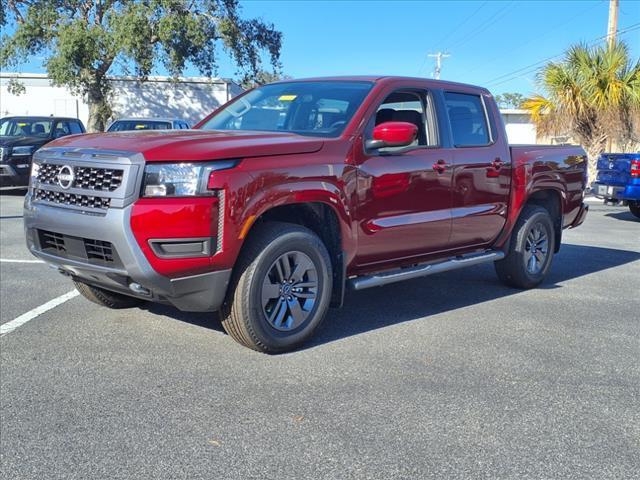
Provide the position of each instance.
(628, 216)
(416, 299)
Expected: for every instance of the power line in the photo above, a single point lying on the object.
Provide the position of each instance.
(448, 35)
(541, 34)
(484, 25)
(525, 69)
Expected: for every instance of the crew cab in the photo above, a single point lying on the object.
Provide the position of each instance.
(294, 193)
(618, 180)
(21, 136)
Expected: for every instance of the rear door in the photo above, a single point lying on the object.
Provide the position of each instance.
(404, 193)
(481, 170)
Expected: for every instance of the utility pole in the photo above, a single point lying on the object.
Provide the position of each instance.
(612, 29)
(438, 56)
(613, 22)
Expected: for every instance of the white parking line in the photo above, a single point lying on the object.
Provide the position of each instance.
(31, 314)
(15, 260)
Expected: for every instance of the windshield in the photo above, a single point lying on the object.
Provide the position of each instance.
(124, 125)
(25, 127)
(307, 108)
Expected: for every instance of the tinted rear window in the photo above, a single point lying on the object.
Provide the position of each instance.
(467, 119)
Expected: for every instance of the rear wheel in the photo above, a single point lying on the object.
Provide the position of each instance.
(634, 207)
(530, 251)
(106, 298)
(281, 289)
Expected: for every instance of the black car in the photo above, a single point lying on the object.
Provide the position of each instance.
(21, 136)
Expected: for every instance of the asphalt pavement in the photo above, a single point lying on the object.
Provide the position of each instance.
(450, 376)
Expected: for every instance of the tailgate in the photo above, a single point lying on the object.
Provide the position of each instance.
(615, 168)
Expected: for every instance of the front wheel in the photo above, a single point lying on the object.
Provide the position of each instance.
(530, 251)
(634, 207)
(281, 289)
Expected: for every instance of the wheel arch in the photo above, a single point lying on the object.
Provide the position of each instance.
(551, 200)
(323, 219)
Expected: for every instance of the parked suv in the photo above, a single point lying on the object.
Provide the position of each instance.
(20, 137)
(290, 195)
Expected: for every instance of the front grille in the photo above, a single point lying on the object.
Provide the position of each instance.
(99, 250)
(63, 198)
(52, 240)
(87, 178)
(87, 250)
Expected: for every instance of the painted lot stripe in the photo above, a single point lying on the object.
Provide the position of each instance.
(31, 314)
(15, 260)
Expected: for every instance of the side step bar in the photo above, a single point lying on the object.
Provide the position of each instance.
(385, 278)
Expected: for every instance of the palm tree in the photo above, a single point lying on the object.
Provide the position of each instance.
(593, 94)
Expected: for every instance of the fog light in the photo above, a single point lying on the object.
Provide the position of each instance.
(139, 289)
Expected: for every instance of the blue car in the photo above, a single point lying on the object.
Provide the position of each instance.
(618, 180)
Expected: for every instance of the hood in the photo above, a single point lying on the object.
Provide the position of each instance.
(195, 145)
(20, 141)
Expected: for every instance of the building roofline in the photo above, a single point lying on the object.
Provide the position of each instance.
(128, 78)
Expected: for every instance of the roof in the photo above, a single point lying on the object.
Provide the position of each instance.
(148, 119)
(41, 117)
(382, 78)
(156, 78)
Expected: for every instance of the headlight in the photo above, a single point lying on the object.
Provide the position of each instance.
(35, 168)
(180, 179)
(22, 151)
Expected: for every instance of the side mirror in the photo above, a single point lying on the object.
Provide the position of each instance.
(393, 134)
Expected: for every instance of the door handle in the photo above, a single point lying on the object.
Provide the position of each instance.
(440, 166)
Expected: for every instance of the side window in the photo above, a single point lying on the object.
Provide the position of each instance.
(75, 127)
(62, 129)
(406, 106)
(468, 119)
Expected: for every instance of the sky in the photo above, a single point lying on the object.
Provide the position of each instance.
(496, 44)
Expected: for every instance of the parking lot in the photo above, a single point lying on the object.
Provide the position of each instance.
(450, 376)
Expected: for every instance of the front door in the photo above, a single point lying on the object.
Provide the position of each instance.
(404, 193)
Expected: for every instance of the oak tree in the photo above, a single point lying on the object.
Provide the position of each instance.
(84, 41)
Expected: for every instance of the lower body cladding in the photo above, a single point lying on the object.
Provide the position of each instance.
(101, 250)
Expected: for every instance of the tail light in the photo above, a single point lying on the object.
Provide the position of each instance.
(635, 168)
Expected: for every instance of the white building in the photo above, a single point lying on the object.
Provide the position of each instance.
(520, 128)
(191, 98)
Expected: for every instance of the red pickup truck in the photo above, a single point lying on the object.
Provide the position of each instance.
(293, 193)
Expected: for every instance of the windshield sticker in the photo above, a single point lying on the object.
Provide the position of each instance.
(287, 98)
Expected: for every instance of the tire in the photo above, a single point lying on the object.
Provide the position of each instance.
(634, 208)
(255, 314)
(535, 229)
(105, 298)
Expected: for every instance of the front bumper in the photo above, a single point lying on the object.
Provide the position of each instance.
(203, 292)
(11, 176)
(131, 268)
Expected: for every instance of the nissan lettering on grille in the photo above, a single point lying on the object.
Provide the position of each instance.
(66, 177)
